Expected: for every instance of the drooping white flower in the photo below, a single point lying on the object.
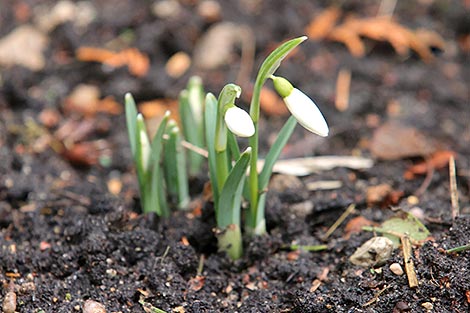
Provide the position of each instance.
(239, 122)
(301, 107)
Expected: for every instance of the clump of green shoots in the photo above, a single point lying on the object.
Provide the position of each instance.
(160, 164)
(213, 124)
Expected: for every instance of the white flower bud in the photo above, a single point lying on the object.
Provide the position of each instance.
(239, 122)
(306, 112)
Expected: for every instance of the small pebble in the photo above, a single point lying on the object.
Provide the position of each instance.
(373, 252)
(209, 10)
(396, 269)
(9, 302)
(91, 306)
(427, 305)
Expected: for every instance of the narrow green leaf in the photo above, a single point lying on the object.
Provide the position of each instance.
(193, 132)
(231, 195)
(174, 164)
(131, 115)
(142, 151)
(210, 117)
(155, 181)
(234, 150)
(275, 151)
(269, 66)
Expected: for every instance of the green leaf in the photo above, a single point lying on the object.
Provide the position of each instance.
(174, 164)
(131, 115)
(230, 198)
(275, 151)
(230, 241)
(210, 117)
(155, 183)
(234, 150)
(193, 131)
(403, 224)
(269, 66)
(142, 147)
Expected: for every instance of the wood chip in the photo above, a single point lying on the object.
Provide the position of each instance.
(343, 84)
(454, 196)
(409, 264)
(307, 166)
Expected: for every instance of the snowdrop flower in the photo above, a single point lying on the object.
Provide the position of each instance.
(301, 107)
(239, 122)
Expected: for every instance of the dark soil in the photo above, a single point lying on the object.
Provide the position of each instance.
(66, 238)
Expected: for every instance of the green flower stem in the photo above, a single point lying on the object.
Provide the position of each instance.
(255, 220)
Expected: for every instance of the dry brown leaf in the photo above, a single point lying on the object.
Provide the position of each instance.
(321, 26)
(350, 39)
(86, 153)
(137, 62)
(157, 108)
(196, 283)
(393, 141)
(355, 226)
(383, 195)
(85, 100)
(380, 28)
(437, 160)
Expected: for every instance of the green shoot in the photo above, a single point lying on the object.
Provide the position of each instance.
(174, 165)
(147, 158)
(191, 110)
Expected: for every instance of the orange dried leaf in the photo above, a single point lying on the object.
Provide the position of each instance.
(137, 62)
(355, 226)
(86, 153)
(158, 107)
(381, 28)
(321, 26)
(437, 160)
(196, 283)
(350, 39)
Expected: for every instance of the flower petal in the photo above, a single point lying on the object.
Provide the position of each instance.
(239, 122)
(306, 112)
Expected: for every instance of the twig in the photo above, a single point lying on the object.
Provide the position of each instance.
(343, 84)
(427, 180)
(191, 147)
(409, 264)
(454, 196)
(376, 297)
(338, 222)
(200, 266)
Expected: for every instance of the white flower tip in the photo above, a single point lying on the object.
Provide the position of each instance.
(306, 112)
(239, 122)
(167, 113)
(247, 150)
(303, 38)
